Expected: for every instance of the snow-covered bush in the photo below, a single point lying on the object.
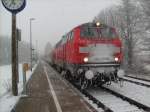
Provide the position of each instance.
(7, 85)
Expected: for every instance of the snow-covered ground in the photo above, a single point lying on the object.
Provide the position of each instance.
(116, 104)
(136, 92)
(7, 100)
(5, 78)
(147, 67)
(136, 80)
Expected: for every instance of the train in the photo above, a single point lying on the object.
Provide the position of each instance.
(89, 55)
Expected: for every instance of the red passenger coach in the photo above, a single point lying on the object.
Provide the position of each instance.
(90, 54)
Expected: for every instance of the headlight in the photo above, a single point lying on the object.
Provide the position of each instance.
(98, 24)
(116, 59)
(86, 59)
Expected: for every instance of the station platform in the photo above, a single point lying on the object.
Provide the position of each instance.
(48, 92)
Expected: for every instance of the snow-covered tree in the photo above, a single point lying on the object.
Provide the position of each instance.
(128, 19)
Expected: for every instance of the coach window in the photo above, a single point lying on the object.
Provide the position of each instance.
(67, 37)
(72, 35)
(64, 39)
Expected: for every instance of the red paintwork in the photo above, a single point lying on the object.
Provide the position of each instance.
(69, 52)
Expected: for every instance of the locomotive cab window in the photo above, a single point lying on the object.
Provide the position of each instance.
(88, 32)
(97, 32)
(64, 39)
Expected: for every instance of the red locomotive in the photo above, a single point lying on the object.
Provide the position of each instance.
(90, 54)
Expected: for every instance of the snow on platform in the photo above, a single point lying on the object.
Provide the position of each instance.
(136, 92)
(6, 76)
(7, 100)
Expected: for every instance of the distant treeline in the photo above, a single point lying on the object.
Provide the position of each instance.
(5, 51)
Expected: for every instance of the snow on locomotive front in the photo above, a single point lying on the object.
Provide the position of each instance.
(100, 54)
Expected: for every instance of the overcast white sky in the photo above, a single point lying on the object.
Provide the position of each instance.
(53, 18)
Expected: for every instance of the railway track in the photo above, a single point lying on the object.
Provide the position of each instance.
(137, 81)
(110, 101)
(142, 79)
(131, 101)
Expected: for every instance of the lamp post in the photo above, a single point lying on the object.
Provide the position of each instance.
(31, 19)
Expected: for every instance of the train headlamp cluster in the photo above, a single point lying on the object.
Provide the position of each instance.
(86, 59)
(98, 24)
(116, 59)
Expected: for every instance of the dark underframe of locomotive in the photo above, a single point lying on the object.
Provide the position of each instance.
(71, 73)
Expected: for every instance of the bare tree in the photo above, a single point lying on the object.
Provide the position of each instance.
(145, 4)
(128, 20)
